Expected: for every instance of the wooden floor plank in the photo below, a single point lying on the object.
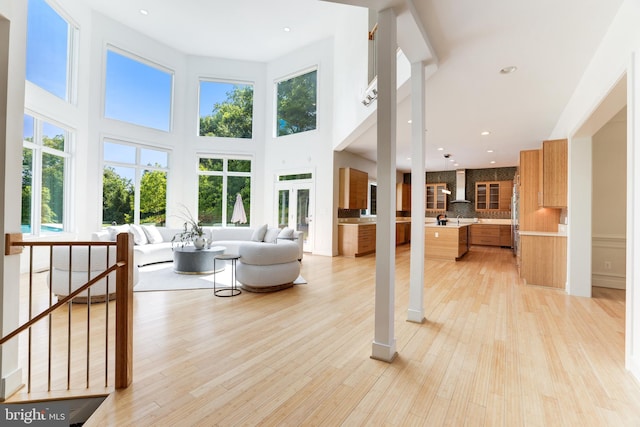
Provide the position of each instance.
(492, 351)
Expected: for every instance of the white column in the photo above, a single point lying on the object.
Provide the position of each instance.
(415, 313)
(384, 343)
(579, 214)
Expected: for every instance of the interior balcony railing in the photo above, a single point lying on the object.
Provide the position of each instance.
(69, 349)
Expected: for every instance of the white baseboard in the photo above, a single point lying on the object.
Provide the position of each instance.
(608, 281)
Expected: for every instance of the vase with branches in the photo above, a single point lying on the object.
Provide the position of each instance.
(192, 231)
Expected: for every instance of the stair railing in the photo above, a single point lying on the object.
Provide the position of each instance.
(123, 268)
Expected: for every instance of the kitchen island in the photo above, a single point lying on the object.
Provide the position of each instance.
(446, 242)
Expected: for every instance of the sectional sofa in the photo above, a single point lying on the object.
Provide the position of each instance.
(153, 244)
(269, 257)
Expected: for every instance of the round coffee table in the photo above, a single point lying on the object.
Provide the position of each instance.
(189, 260)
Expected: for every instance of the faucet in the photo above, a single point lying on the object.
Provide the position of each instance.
(458, 218)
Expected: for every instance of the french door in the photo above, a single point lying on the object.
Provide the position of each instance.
(295, 209)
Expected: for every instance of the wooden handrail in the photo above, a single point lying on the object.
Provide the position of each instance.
(123, 268)
(60, 303)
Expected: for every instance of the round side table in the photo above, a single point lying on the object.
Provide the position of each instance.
(227, 291)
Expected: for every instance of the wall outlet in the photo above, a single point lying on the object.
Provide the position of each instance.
(607, 265)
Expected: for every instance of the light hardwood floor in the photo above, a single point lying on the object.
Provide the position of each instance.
(493, 352)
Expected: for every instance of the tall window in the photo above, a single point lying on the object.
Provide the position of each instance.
(134, 184)
(226, 109)
(50, 40)
(137, 92)
(220, 181)
(296, 104)
(45, 162)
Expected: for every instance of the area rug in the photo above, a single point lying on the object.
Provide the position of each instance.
(161, 277)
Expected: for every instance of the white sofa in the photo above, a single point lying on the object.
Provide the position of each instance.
(82, 272)
(157, 247)
(267, 269)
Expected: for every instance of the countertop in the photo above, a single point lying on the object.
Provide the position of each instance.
(429, 221)
(562, 232)
(449, 225)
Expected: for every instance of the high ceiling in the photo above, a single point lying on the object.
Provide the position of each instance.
(549, 41)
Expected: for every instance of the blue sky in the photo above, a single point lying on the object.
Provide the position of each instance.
(47, 35)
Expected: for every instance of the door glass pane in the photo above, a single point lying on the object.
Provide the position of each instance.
(210, 200)
(153, 197)
(283, 208)
(239, 185)
(302, 217)
(52, 193)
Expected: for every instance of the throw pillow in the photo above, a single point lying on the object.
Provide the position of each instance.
(114, 230)
(139, 238)
(271, 235)
(286, 233)
(153, 235)
(258, 234)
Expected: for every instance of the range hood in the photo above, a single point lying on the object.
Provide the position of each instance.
(461, 181)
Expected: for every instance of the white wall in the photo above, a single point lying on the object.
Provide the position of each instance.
(609, 147)
(307, 151)
(13, 24)
(615, 57)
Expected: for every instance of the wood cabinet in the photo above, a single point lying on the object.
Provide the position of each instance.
(544, 260)
(356, 239)
(493, 195)
(446, 242)
(554, 173)
(436, 199)
(403, 197)
(491, 235)
(353, 189)
(403, 233)
(530, 216)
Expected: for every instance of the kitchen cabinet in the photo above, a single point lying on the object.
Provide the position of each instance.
(403, 197)
(490, 235)
(446, 242)
(403, 232)
(530, 216)
(356, 239)
(436, 200)
(506, 236)
(544, 260)
(493, 196)
(554, 174)
(353, 189)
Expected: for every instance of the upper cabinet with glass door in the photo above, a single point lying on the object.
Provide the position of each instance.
(493, 196)
(436, 197)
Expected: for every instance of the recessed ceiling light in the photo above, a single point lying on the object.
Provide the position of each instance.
(456, 164)
(485, 133)
(286, 29)
(493, 162)
(408, 158)
(409, 121)
(144, 12)
(451, 160)
(440, 149)
(489, 151)
(508, 70)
